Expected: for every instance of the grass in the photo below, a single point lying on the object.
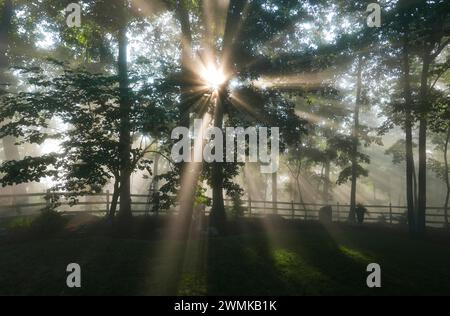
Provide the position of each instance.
(298, 259)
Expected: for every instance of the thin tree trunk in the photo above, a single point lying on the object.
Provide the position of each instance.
(155, 181)
(422, 203)
(410, 169)
(234, 15)
(218, 216)
(447, 177)
(326, 185)
(186, 52)
(125, 128)
(5, 32)
(355, 143)
(154, 188)
(10, 149)
(300, 195)
(292, 189)
(115, 198)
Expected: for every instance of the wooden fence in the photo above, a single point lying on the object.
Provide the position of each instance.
(30, 204)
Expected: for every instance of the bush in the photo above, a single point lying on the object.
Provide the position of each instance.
(20, 223)
(326, 215)
(361, 212)
(49, 223)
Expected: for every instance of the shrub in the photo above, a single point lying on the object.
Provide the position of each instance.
(49, 223)
(20, 223)
(361, 212)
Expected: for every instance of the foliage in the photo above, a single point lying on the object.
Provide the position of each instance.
(87, 105)
(48, 223)
(361, 212)
(398, 151)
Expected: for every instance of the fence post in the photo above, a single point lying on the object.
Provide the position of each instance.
(338, 212)
(107, 201)
(390, 213)
(250, 206)
(306, 214)
(293, 210)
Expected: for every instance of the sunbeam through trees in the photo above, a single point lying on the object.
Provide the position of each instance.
(225, 147)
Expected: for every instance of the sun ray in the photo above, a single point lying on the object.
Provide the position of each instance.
(305, 80)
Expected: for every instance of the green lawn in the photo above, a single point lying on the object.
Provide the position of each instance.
(305, 259)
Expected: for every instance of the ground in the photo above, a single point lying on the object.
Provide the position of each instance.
(296, 259)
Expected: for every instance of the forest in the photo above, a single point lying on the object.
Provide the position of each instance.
(168, 137)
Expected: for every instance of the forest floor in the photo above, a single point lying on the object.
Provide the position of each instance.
(298, 259)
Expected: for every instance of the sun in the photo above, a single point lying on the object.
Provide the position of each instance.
(213, 77)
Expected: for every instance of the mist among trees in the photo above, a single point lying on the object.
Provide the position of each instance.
(87, 111)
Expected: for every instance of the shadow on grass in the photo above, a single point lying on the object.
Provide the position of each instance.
(112, 262)
(283, 261)
(255, 258)
(327, 268)
(243, 265)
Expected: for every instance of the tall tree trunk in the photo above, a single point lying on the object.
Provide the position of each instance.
(10, 149)
(234, 14)
(155, 180)
(125, 122)
(6, 14)
(356, 127)
(447, 177)
(423, 126)
(218, 216)
(115, 199)
(326, 184)
(275, 192)
(410, 169)
(186, 58)
(300, 194)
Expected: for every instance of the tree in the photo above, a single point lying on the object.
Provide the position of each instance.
(440, 126)
(232, 57)
(432, 38)
(10, 150)
(355, 145)
(89, 104)
(420, 28)
(125, 113)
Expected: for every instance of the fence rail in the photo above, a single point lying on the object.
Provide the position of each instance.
(30, 204)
